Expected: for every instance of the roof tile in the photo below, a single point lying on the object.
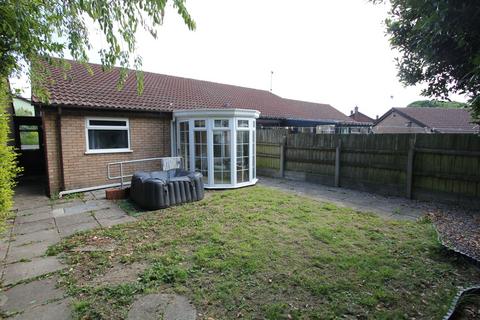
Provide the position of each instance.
(169, 93)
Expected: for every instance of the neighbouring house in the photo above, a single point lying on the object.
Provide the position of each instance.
(426, 120)
(88, 123)
(358, 123)
(357, 116)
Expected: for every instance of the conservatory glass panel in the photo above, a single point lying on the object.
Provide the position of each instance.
(201, 155)
(243, 155)
(221, 157)
(184, 144)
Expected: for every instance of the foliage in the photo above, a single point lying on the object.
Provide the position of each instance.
(259, 253)
(34, 30)
(437, 104)
(8, 164)
(439, 45)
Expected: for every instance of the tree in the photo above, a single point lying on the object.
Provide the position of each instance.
(437, 104)
(32, 31)
(439, 45)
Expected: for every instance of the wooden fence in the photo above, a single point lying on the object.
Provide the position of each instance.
(421, 166)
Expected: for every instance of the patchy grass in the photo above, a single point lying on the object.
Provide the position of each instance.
(130, 207)
(259, 253)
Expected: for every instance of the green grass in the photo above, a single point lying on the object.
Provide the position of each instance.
(260, 253)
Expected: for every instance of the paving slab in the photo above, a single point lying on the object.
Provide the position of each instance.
(27, 251)
(101, 203)
(17, 272)
(108, 222)
(119, 274)
(51, 236)
(83, 208)
(67, 203)
(28, 295)
(162, 306)
(4, 244)
(112, 213)
(71, 229)
(99, 194)
(37, 216)
(88, 196)
(34, 226)
(74, 219)
(59, 310)
(27, 203)
(32, 211)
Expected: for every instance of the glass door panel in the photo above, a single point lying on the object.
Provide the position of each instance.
(184, 144)
(243, 156)
(201, 155)
(221, 157)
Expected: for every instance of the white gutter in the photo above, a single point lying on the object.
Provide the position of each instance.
(105, 186)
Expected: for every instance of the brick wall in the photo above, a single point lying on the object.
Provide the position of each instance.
(149, 138)
(52, 150)
(396, 123)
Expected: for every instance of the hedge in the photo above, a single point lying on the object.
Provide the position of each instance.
(8, 163)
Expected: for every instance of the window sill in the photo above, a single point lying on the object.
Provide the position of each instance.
(108, 151)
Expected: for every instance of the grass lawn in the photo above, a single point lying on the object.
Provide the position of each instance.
(259, 253)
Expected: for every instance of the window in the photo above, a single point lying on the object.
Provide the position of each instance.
(107, 135)
(221, 157)
(201, 156)
(184, 145)
(221, 123)
(29, 138)
(242, 123)
(199, 123)
(243, 155)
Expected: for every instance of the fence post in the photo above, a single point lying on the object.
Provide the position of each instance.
(283, 153)
(410, 160)
(337, 162)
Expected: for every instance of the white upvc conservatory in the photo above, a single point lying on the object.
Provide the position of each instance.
(219, 143)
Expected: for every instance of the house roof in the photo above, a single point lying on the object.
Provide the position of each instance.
(439, 119)
(360, 117)
(168, 93)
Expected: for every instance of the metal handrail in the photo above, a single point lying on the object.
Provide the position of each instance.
(121, 163)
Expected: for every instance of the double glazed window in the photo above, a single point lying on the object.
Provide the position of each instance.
(201, 151)
(221, 152)
(29, 137)
(243, 151)
(107, 135)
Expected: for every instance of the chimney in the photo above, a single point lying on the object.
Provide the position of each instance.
(377, 117)
(351, 112)
(356, 109)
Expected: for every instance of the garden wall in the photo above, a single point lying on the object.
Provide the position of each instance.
(420, 166)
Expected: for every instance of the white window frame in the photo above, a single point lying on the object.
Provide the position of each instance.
(95, 127)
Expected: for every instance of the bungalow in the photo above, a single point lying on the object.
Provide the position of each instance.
(88, 124)
(425, 120)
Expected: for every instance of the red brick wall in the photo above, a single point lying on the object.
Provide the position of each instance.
(52, 150)
(149, 138)
(396, 123)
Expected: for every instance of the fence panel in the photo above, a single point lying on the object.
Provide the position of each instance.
(423, 166)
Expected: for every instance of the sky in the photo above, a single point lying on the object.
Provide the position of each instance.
(326, 51)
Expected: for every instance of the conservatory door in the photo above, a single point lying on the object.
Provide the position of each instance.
(183, 134)
(222, 158)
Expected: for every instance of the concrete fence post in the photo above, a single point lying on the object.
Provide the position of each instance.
(337, 162)
(283, 156)
(409, 173)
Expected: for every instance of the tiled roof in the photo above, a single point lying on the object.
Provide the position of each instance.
(169, 93)
(441, 119)
(360, 117)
